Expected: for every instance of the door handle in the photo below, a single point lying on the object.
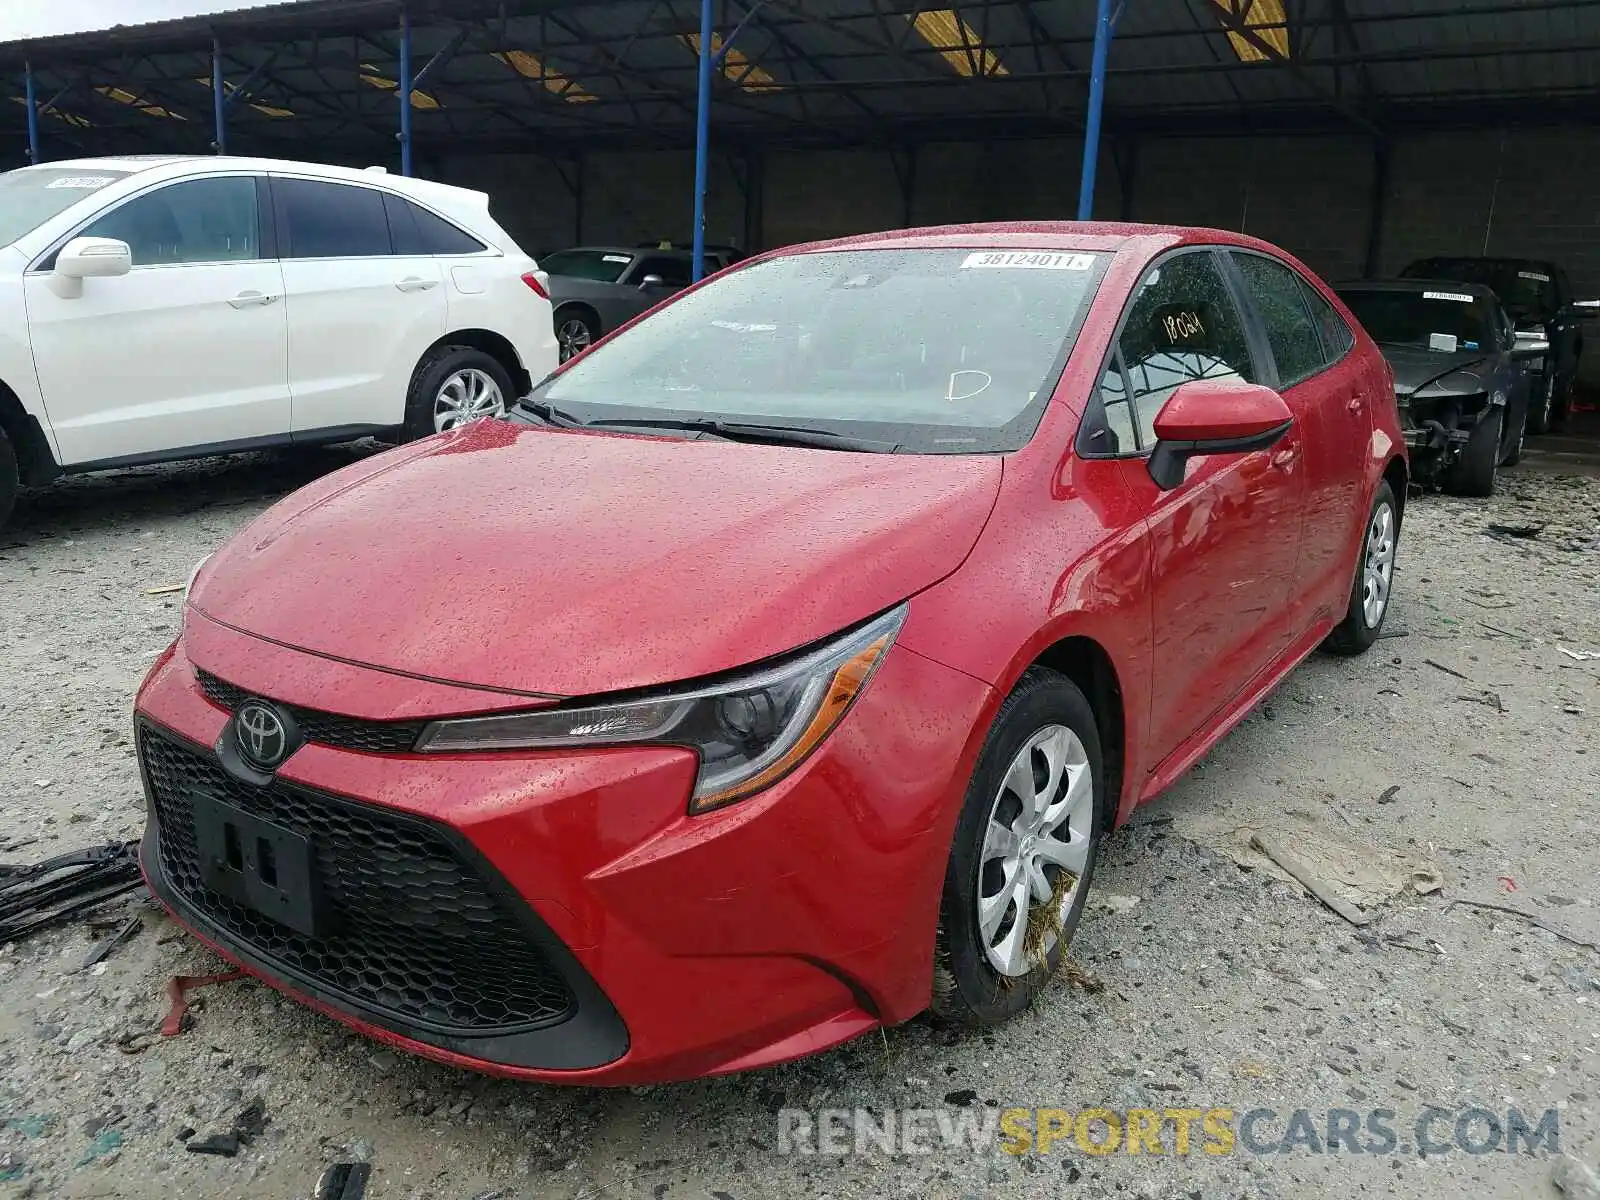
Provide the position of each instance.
(413, 283)
(251, 299)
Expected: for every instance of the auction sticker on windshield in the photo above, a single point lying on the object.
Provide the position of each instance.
(1458, 297)
(1030, 259)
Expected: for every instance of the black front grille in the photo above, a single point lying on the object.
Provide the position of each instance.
(409, 929)
(329, 729)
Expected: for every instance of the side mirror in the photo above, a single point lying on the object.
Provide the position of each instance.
(650, 281)
(86, 258)
(1214, 416)
(1530, 343)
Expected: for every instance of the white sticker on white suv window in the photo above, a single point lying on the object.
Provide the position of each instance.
(615, 258)
(1036, 260)
(1458, 297)
(82, 182)
(1533, 275)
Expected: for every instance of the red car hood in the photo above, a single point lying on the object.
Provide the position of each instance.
(561, 563)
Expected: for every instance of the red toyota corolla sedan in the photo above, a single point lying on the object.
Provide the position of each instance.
(775, 671)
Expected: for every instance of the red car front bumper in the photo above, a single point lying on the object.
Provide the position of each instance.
(559, 916)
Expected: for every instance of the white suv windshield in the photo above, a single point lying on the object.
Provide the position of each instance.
(929, 350)
(30, 197)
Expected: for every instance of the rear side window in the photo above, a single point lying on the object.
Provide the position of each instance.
(417, 231)
(1336, 336)
(330, 220)
(1183, 325)
(1274, 289)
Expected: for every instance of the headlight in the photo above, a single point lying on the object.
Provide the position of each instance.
(750, 731)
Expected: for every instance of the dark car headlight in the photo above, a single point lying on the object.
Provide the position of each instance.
(750, 730)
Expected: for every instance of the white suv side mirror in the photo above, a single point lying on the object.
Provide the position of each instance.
(88, 257)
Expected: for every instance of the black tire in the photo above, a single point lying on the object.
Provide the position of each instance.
(1357, 632)
(10, 478)
(1473, 474)
(967, 989)
(439, 365)
(577, 328)
(1511, 455)
(1541, 408)
(1560, 404)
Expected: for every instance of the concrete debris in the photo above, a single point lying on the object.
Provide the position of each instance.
(1575, 1180)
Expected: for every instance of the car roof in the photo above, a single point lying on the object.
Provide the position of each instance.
(1104, 236)
(185, 164)
(1481, 291)
(630, 251)
(127, 163)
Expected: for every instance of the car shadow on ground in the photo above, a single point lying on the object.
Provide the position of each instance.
(102, 501)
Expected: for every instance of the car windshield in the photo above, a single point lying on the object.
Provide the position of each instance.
(1527, 289)
(598, 266)
(929, 350)
(1406, 318)
(31, 196)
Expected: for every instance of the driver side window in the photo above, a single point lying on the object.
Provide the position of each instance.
(1182, 325)
(674, 272)
(198, 221)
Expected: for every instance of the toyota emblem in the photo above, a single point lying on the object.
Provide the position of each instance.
(263, 737)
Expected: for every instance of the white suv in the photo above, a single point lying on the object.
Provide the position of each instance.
(166, 308)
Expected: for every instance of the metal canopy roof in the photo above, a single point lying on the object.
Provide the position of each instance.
(557, 77)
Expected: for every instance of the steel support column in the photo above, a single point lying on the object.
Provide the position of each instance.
(1126, 153)
(404, 91)
(579, 171)
(702, 141)
(1097, 92)
(31, 95)
(1380, 191)
(219, 106)
(755, 171)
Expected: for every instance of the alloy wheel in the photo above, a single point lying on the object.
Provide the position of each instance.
(1036, 846)
(465, 396)
(1378, 565)
(573, 337)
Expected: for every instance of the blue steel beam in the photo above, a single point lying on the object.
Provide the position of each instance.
(702, 141)
(247, 88)
(1103, 25)
(33, 112)
(727, 42)
(404, 92)
(441, 56)
(219, 106)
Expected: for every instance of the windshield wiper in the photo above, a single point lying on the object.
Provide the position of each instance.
(742, 431)
(548, 413)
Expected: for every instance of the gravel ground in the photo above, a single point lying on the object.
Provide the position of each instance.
(1459, 748)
